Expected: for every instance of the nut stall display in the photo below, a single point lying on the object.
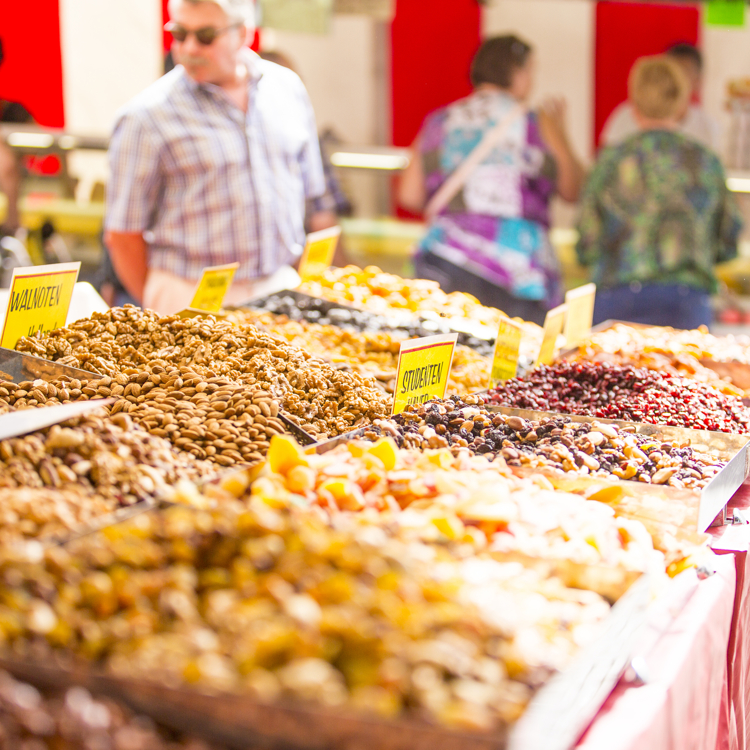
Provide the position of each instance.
(373, 353)
(58, 481)
(595, 449)
(124, 343)
(423, 579)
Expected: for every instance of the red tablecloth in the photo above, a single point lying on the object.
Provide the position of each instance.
(684, 704)
(734, 734)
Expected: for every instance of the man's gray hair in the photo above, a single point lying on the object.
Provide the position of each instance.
(238, 11)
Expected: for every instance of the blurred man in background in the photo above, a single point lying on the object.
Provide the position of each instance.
(696, 123)
(212, 164)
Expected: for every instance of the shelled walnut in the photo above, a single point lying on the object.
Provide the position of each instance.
(124, 340)
(373, 353)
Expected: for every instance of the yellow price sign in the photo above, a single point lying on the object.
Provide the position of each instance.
(580, 316)
(213, 287)
(553, 326)
(39, 300)
(507, 346)
(319, 251)
(423, 369)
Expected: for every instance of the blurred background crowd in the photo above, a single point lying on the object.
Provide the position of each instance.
(508, 148)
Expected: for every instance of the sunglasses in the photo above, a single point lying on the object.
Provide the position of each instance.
(205, 36)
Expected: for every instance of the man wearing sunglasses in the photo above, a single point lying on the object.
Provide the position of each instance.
(212, 164)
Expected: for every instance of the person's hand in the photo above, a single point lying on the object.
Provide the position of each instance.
(323, 220)
(552, 123)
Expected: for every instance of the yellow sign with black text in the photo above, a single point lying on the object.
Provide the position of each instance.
(319, 251)
(39, 300)
(507, 347)
(553, 326)
(580, 315)
(423, 368)
(213, 287)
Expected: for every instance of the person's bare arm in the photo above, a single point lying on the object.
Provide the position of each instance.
(412, 194)
(570, 172)
(129, 257)
(10, 184)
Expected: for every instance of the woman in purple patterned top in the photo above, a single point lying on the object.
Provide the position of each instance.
(491, 238)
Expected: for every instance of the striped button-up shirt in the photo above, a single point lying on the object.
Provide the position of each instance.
(206, 183)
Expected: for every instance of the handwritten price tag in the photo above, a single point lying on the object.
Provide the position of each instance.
(319, 251)
(39, 300)
(580, 316)
(213, 287)
(553, 325)
(423, 369)
(507, 346)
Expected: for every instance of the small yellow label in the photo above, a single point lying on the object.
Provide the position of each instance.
(580, 316)
(507, 346)
(423, 369)
(38, 301)
(319, 251)
(553, 326)
(213, 287)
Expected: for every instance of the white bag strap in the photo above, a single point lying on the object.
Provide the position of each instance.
(457, 179)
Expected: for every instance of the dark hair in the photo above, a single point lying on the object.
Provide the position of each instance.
(497, 59)
(687, 52)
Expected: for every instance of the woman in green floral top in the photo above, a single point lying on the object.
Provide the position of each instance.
(657, 215)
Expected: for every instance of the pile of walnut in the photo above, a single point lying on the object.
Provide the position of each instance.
(370, 353)
(132, 347)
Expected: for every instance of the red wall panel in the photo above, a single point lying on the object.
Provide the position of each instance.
(31, 72)
(432, 44)
(626, 31)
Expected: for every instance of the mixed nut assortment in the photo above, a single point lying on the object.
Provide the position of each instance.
(626, 393)
(373, 353)
(124, 342)
(75, 720)
(108, 456)
(603, 450)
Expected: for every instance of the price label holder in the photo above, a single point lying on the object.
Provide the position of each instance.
(424, 365)
(319, 251)
(505, 357)
(553, 326)
(38, 301)
(213, 287)
(580, 315)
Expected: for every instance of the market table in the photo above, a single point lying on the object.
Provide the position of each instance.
(735, 541)
(683, 705)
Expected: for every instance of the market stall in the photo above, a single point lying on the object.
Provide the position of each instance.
(241, 539)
